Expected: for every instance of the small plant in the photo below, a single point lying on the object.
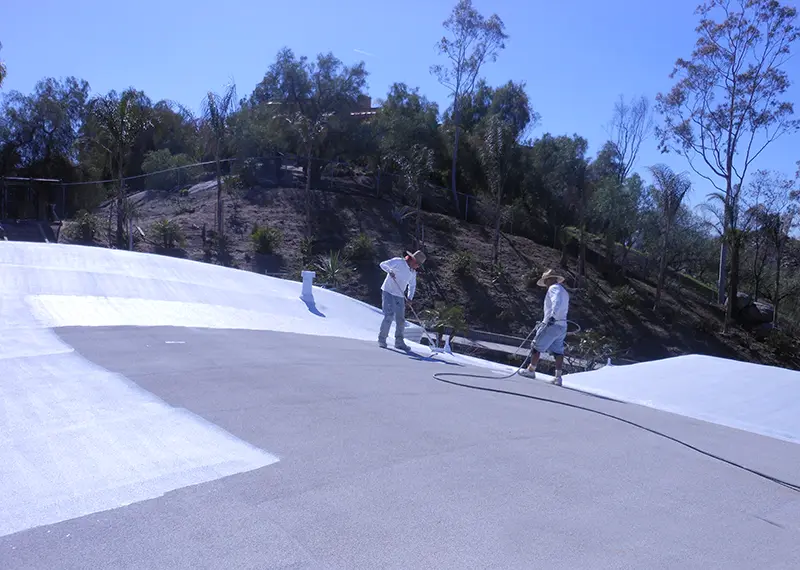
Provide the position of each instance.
(531, 278)
(266, 239)
(183, 193)
(782, 344)
(167, 233)
(400, 213)
(463, 263)
(84, 228)
(624, 296)
(332, 269)
(360, 247)
(307, 245)
(593, 348)
(497, 273)
(445, 319)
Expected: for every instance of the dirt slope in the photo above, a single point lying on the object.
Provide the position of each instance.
(506, 302)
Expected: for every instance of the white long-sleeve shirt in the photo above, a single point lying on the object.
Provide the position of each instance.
(404, 276)
(556, 303)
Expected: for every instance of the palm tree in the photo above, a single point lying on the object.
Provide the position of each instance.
(668, 191)
(311, 132)
(217, 111)
(416, 166)
(120, 119)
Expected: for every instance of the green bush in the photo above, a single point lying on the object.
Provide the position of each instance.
(307, 245)
(497, 273)
(463, 263)
(624, 296)
(360, 247)
(445, 319)
(168, 234)
(84, 227)
(157, 160)
(266, 239)
(332, 269)
(782, 344)
(532, 277)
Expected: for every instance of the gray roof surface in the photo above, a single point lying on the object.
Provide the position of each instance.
(383, 467)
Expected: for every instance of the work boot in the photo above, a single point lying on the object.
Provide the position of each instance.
(381, 343)
(400, 345)
(557, 378)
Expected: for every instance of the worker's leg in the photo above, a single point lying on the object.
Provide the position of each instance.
(400, 322)
(388, 306)
(557, 348)
(538, 345)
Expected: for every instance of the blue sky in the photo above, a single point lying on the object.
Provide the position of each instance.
(576, 56)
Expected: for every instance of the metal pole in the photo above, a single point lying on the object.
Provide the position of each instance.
(130, 232)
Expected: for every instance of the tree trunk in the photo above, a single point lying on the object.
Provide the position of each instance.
(582, 251)
(777, 289)
(496, 237)
(756, 274)
(220, 222)
(610, 249)
(418, 229)
(662, 268)
(723, 261)
(120, 199)
(457, 117)
(733, 284)
(308, 194)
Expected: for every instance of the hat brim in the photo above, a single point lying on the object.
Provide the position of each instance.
(559, 279)
(412, 256)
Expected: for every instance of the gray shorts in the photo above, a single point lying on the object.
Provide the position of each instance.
(550, 338)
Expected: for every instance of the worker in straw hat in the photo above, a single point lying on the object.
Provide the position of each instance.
(553, 329)
(401, 274)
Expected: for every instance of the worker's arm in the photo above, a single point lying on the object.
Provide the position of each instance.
(389, 266)
(412, 285)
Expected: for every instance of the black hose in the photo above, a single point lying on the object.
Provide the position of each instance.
(440, 376)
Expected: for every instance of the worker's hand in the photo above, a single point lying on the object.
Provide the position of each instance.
(551, 321)
(391, 274)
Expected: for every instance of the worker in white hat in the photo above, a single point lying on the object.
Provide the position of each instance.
(401, 274)
(553, 329)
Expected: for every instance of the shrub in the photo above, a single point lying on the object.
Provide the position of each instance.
(463, 263)
(332, 269)
(593, 347)
(307, 245)
(624, 296)
(782, 344)
(497, 273)
(532, 277)
(360, 247)
(167, 233)
(445, 319)
(266, 239)
(84, 228)
(156, 161)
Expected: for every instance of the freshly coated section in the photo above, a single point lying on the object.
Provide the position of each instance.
(76, 438)
(383, 467)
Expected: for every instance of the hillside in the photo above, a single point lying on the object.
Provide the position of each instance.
(459, 273)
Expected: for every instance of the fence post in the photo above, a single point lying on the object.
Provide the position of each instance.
(466, 207)
(63, 201)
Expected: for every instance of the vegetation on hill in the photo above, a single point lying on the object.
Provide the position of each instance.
(305, 172)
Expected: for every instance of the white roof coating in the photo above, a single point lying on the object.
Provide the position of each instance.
(50, 393)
